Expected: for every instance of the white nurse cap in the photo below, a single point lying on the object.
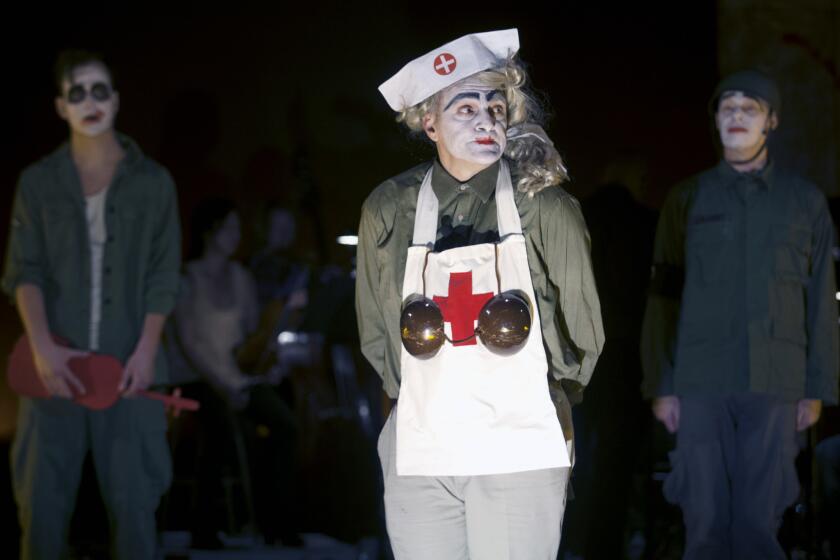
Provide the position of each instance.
(454, 61)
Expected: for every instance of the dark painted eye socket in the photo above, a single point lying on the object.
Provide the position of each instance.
(101, 91)
(76, 94)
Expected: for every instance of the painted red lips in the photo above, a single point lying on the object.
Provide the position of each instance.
(93, 118)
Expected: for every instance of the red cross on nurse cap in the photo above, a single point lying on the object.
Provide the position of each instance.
(442, 67)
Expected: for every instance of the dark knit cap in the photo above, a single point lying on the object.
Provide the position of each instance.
(752, 83)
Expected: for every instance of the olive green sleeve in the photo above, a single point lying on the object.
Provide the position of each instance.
(163, 273)
(566, 250)
(821, 378)
(659, 326)
(369, 314)
(25, 253)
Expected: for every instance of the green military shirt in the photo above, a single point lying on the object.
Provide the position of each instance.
(49, 247)
(558, 255)
(743, 292)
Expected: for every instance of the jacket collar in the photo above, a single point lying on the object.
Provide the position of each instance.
(447, 187)
(764, 176)
(69, 175)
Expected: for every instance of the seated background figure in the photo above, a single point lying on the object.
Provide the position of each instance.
(216, 310)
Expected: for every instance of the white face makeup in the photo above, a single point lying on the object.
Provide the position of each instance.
(469, 126)
(743, 122)
(226, 239)
(92, 115)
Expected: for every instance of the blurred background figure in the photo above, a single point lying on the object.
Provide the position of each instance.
(280, 273)
(283, 274)
(93, 257)
(740, 338)
(217, 310)
(622, 228)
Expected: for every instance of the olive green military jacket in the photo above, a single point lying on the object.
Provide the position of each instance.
(49, 247)
(743, 290)
(558, 255)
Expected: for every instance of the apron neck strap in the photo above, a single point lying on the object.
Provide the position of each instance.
(426, 216)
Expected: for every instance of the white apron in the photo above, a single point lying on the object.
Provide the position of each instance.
(467, 411)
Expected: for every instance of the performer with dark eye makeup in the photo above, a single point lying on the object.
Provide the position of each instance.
(477, 306)
(93, 259)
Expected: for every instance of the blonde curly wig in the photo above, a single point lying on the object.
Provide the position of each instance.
(537, 162)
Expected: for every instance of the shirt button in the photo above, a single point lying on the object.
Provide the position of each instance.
(110, 239)
(111, 209)
(107, 301)
(107, 270)
(460, 217)
(464, 187)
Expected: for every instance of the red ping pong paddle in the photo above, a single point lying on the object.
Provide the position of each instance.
(99, 373)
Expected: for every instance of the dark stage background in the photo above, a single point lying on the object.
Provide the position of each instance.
(263, 104)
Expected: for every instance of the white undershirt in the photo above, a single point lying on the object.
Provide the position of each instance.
(95, 211)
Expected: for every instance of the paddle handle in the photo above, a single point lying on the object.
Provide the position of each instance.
(175, 401)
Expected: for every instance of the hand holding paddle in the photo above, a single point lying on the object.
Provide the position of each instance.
(138, 373)
(52, 364)
(97, 378)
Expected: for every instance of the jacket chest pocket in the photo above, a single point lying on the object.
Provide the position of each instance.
(708, 246)
(131, 228)
(791, 249)
(62, 227)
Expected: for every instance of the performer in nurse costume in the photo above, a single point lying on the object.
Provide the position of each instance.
(477, 306)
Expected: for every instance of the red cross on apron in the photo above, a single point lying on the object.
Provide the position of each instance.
(466, 411)
(462, 306)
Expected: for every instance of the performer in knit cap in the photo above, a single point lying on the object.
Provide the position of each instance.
(477, 306)
(739, 344)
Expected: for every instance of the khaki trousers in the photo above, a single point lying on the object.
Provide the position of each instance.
(516, 516)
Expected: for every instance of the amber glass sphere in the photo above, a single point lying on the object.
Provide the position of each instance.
(505, 322)
(421, 327)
